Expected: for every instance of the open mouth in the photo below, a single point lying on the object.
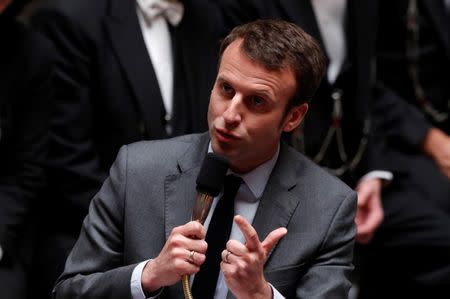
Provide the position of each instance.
(225, 136)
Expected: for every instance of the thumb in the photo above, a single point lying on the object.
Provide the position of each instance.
(363, 195)
(272, 239)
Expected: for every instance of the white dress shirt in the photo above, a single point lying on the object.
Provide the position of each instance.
(155, 31)
(330, 16)
(246, 204)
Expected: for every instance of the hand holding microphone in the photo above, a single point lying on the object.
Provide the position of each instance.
(184, 251)
(209, 183)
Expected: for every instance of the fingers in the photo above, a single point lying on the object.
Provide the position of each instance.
(227, 255)
(370, 212)
(366, 189)
(190, 236)
(363, 194)
(369, 219)
(252, 240)
(192, 229)
(195, 257)
(233, 249)
(272, 239)
(236, 247)
(185, 244)
(250, 234)
(180, 241)
(242, 265)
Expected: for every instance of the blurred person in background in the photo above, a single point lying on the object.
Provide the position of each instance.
(25, 92)
(409, 256)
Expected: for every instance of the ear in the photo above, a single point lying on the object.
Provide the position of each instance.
(294, 117)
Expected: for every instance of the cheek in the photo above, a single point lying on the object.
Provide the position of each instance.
(216, 107)
(212, 111)
(262, 129)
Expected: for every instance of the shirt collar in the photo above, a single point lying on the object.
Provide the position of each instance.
(171, 10)
(256, 179)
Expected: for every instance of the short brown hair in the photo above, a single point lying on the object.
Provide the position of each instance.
(278, 44)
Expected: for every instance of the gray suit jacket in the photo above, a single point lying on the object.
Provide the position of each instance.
(151, 189)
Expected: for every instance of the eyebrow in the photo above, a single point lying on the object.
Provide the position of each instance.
(261, 92)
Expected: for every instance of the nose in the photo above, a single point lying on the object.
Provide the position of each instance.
(233, 114)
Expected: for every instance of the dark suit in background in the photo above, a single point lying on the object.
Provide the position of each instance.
(410, 254)
(354, 84)
(25, 91)
(125, 226)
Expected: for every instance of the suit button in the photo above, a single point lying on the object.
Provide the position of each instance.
(168, 124)
(142, 129)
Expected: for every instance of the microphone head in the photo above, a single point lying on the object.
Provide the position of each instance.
(212, 173)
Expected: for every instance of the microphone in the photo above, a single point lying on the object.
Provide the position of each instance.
(209, 184)
(210, 181)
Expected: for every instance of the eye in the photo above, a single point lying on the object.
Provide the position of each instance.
(226, 88)
(258, 104)
(257, 101)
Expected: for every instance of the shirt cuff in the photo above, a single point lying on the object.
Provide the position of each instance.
(136, 286)
(378, 174)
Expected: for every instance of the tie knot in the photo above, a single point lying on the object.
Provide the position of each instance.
(171, 10)
(232, 184)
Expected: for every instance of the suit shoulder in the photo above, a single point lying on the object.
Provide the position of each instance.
(81, 13)
(163, 152)
(317, 179)
(27, 51)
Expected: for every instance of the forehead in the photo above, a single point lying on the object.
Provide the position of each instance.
(237, 67)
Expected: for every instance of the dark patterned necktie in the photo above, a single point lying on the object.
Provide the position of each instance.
(218, 233)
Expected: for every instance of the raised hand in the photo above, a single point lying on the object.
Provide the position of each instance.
(242, 264)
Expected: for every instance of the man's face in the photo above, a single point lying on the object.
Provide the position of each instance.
(246, 113)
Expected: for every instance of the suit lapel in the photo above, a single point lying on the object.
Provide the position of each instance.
(180, 188)
(180, 193)
(278, 204)
(128, 43)
(439, 17)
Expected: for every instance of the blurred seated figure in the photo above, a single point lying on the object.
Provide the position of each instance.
(25, 91)
(410, 254)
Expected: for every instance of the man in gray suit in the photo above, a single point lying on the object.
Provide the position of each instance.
(137, 240)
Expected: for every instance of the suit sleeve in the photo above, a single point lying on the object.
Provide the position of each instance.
(396, 125)
(329, 274)
(398, 119)
(24, 144)
(95, 267)
(74, 170)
